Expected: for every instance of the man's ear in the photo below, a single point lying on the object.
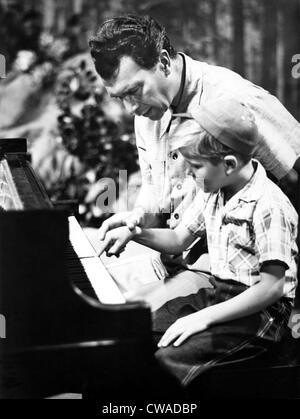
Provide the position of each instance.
(231, 164)
(164, 61)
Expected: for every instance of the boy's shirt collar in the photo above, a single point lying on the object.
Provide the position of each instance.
(251, 192)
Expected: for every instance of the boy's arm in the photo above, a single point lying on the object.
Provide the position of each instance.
(253, 300)
(161, 239)
(165, 240)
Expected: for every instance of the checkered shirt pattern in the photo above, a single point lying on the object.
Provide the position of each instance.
(257, 225)
(166, 184)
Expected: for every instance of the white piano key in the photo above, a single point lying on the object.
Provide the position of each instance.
(104, 286)
(79, 241)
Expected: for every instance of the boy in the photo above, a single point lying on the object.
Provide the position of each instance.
(251, 230)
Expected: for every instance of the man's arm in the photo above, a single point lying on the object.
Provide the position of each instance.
(253, 300)
(146, 210)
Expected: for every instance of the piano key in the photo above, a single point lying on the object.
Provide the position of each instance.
(101, 283)
(104, 286)
(79, 241)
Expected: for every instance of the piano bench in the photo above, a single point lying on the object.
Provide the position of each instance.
(275, 374)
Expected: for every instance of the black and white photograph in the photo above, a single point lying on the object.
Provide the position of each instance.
(149, 202)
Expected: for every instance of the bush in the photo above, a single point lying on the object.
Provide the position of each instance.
(102, 146)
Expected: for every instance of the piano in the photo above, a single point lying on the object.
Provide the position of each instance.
(68, 328)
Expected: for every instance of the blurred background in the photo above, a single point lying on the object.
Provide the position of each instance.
(76, 134)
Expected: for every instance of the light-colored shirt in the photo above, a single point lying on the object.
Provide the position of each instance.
(167, 186)
(257, 225)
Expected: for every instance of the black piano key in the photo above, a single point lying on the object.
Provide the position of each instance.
(77, 274)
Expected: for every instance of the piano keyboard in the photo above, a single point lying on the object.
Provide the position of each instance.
(87, 270)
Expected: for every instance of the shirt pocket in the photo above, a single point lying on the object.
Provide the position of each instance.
(241, 247)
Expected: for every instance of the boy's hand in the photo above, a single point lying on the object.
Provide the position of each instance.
(185, 327)
(115, 221)
(115, 241)
(132, 219)
(135, 219)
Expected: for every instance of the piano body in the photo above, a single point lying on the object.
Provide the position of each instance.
(68, 328)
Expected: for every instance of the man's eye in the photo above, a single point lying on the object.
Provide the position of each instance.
(132, 92)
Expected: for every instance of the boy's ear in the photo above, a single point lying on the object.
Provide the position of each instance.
(231, 164)
(164, 60)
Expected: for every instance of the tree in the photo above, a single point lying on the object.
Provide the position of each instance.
(291, 37)
(237, 11)
(269, 44)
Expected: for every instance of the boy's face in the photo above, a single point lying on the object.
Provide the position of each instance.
(212, 177)
(143, 92)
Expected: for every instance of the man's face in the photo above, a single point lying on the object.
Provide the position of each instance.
(143, 92)
(209, 176)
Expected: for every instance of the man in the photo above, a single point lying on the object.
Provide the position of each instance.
(138, 65)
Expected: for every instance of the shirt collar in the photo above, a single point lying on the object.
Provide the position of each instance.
(192, 82)
(256, 186)
(252, 191)
(191, 94)
(175, 108)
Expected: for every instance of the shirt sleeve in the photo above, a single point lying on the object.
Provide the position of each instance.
(275, 233)
(146, 197)
(193, 218)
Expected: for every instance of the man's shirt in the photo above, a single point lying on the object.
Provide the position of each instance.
(167, 186)
(257, 225)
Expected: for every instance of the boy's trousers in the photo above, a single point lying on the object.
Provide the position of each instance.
(220, 342)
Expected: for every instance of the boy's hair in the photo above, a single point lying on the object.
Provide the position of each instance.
(209, 148)
(140, 37)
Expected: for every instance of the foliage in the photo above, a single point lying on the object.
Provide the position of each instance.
(102, 146)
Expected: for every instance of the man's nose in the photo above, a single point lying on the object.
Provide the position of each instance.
(191, 171)
(130, 106)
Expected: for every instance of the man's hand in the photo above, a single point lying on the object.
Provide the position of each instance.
(185, 327)
(131, 219)
(115, 241)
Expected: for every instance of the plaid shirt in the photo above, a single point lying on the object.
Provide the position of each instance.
(166, 184)
(258, 224)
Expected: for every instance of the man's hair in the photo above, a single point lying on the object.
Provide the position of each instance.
(209, 148)
(140, 37)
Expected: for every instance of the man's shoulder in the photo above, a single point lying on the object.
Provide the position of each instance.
(275, 200)
(219, 80)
